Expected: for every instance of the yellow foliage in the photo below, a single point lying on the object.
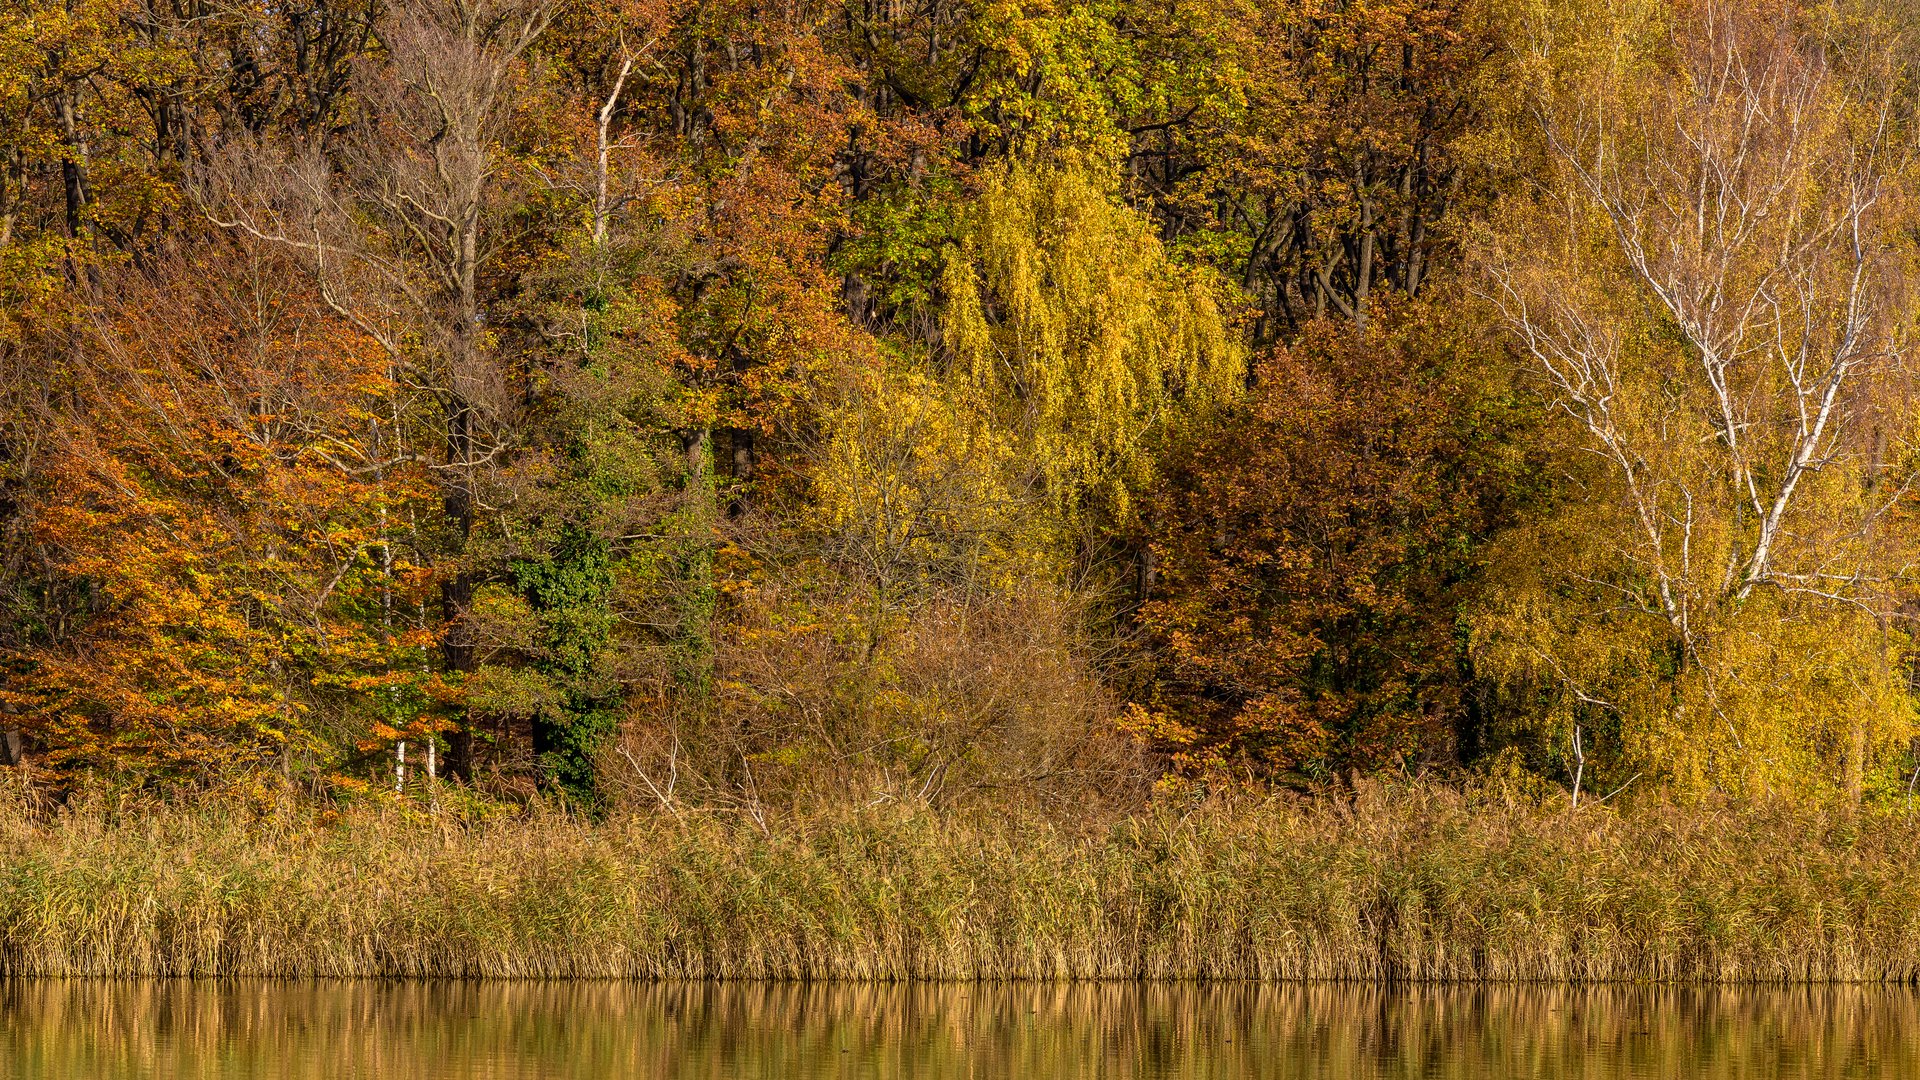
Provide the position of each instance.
(913, 482)
(1710, 281)
(1076, 334)
(1782, 695)
(1074, 343)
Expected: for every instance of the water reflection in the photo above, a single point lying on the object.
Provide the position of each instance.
(59, 1030)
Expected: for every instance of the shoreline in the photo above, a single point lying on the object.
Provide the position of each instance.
(1401, 885)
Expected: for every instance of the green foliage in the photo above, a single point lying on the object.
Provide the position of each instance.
(570, 592)
(900, 240)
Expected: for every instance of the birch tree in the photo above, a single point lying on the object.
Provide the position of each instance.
(1712, 288)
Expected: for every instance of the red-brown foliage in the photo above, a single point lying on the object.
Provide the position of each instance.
(1309, 553)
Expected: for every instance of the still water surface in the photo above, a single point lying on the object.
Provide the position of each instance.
(57, 1030)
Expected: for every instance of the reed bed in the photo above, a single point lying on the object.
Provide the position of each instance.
(1395, 883)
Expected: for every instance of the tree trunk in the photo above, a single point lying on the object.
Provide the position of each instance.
(456, 593)
(73, 163)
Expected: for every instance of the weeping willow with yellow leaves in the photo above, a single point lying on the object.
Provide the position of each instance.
(1071, 330)
(1073, 344)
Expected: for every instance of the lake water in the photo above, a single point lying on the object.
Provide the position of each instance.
(61, 1030)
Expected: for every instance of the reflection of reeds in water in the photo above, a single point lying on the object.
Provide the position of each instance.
(66, 1030)
(1402, 884)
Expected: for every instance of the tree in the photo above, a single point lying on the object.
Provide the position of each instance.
(1073, 333)
(1339, 154)
(1313, 548)
(207, 499)
(1712, 286)
(398, 223)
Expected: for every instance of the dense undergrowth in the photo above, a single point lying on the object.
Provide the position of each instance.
(1389, 882)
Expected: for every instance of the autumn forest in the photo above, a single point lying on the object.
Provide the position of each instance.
(715, 406)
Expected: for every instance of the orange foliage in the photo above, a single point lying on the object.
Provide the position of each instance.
(216, 472)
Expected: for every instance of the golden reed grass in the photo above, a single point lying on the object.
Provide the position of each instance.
(1396, 883)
